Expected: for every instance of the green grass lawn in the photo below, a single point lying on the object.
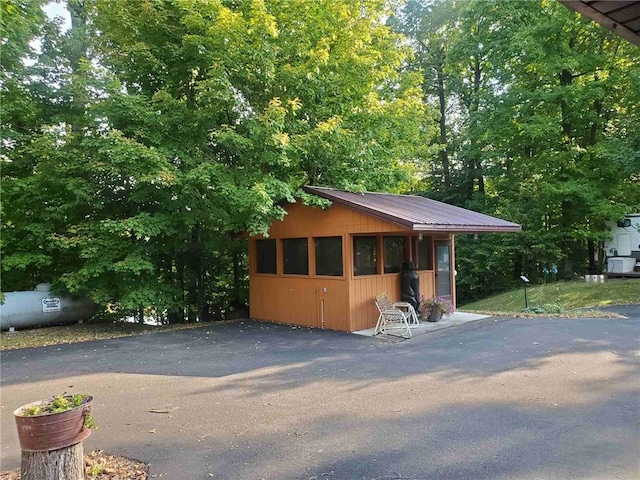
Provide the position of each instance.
(568, 295)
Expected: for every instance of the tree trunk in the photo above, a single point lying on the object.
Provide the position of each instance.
(567, 267)
(444, 154)
(78, 53)
(479, 175)
(63, 464)
(566, 78)
(591, 247)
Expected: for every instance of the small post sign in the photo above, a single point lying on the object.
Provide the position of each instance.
(50, 305)
(525, 281)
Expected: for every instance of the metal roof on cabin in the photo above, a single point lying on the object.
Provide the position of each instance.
(416, 213)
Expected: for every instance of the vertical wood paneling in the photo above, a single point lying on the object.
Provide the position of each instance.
(296, 300)
(303, 221)
(363, 294)
(427, 283)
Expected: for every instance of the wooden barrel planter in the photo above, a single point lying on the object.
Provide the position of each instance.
(51, 443)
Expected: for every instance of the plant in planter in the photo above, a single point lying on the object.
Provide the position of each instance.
(54, 423)
(433, 308)
(51, 432)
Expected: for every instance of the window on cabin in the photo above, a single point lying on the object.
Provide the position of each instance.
(393, 254)
(329, 256)
(266, 256)
(422, 254)
(365, 260)
(295, 256)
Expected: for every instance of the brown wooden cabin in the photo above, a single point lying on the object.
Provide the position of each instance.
(323, 268)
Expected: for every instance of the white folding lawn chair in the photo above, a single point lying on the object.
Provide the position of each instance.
(406, 307)
(392, 318)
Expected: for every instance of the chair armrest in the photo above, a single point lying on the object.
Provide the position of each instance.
(403, 305)
(395, 311)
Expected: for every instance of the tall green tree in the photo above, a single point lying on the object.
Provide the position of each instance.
(176, 124)
(427, 26)
(23, 114)
(540, 107)
(572, 85)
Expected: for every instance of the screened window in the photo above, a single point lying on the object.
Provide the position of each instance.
(295, 256)
(329, 256)
(266, 256)
(422, 253)
(365, 260)
(393, 254)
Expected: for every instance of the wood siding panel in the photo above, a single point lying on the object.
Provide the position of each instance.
(427, 283)
(297, 300)
(364, 313)
(303, 221)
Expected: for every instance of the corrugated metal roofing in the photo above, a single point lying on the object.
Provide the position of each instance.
(416, 213)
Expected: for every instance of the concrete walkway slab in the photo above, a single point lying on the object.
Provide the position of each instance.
(448, 321)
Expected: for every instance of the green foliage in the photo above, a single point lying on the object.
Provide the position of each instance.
(31, 411)
(140, 142)
(552, 308)
(150, 134)
(57, 404)
(539, 125)
(62, 403)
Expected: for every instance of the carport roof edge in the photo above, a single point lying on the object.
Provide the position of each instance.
(416, 213)
(622, 18)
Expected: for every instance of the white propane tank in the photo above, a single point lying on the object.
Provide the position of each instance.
(40, 308)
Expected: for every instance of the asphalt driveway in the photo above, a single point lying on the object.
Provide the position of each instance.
(494, 399)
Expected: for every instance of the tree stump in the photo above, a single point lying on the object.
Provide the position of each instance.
(63, 464)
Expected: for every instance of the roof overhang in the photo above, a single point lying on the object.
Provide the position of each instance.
(449, 219)
(621, 17)
(431, 227)
(451, 228)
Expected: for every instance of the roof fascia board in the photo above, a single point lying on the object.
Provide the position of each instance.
(466, 228)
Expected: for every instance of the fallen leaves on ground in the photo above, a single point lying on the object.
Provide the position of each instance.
(40, 337)
(102, 466)
(567, 314)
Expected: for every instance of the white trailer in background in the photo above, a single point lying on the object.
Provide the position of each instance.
(623, 246)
